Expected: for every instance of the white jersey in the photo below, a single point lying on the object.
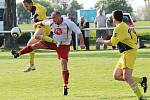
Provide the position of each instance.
(63, 31)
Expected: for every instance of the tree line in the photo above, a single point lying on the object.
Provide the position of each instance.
(73, 6)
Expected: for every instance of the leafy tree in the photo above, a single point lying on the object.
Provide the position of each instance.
(49, 6)
(22, 14)
(147, 13)
(73, 6)
(110, 5)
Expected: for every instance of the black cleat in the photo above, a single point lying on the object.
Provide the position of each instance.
(65, 90)
(15, 53)
(144, 84)
(142, 98)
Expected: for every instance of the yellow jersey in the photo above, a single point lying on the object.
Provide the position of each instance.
(122, 38)
(38, 12)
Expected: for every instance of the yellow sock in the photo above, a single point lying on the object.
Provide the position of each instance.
(137, 80)
(46, 38)
(31, 57)
(136, 90)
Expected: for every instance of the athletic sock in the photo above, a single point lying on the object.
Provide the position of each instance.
(136, 90)
(31, 57)
(137, 80)
(65, 75)
(25, 50)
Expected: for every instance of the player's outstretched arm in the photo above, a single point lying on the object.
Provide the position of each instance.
(82, 45)
(106, 42)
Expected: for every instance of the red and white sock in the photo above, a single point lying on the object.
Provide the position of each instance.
(25, 50)
(65, 75)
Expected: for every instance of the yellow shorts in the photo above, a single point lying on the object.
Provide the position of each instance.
(127, 59)
(46, 29)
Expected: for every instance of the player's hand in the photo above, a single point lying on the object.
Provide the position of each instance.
(100, 41)
(82, 46)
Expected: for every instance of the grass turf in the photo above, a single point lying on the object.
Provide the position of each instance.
(90, 76)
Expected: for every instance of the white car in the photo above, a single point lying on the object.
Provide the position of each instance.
(126, 18)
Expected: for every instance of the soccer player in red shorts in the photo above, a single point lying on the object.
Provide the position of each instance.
(62, 29)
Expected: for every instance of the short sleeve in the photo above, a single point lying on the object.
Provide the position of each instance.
(74, 27)
(115, 37)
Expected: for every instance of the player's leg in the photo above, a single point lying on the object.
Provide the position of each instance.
(127, 76)
(142, 81)
(104, 35)
(28, 49)
(128, 63)
(33, 40)
(65, 74)
(63, 52)
(31, 55)
(46, 32)
(98, 35)
(118, 72)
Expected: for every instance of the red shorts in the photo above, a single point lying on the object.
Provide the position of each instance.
(62, 50)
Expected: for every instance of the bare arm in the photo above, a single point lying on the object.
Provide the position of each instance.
(81, 41)
(106, 42)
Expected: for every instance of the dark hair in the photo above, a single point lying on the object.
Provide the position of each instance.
(27, 1)
(118, 15)
(56, 13)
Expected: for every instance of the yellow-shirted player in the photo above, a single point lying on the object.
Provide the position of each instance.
(126, 41)
(38, 14)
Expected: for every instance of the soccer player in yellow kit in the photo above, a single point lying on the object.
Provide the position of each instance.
(38, 14)
(126, 42)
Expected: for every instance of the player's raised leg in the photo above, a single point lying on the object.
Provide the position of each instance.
(28, 49)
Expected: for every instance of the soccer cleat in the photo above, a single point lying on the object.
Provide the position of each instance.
(142, 98)
(15, 53)
(28, 69)
(144, 84)
(65, 90)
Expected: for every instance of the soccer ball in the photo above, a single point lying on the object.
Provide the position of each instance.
(16, 32)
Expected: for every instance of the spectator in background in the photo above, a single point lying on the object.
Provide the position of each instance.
(100, 21)
(69, 16)
(109, 23)
(82, 23)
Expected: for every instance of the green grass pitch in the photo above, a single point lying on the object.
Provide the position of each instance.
(90, 76)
